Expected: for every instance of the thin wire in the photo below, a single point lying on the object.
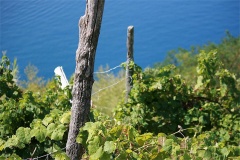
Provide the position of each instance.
(108, 86)
(109, 69)
(49, 154)
(46, 155)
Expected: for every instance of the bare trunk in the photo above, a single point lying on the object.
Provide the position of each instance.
(89, 30)
(129, 71)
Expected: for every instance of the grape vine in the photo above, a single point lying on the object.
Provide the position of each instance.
(164, 118)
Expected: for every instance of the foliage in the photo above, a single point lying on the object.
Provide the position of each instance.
(160, 101)
(46, 135)
(32, 124)
(228, 52)
(165, 117)
(8, 87)
(9, 94)
(186, 60)
(150, 100)
(109, 139)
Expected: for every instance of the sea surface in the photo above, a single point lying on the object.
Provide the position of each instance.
(45, 32)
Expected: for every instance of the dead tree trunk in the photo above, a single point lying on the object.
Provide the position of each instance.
(129, 71)
(89, 30)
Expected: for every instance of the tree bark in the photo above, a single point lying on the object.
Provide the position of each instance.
(89, 30)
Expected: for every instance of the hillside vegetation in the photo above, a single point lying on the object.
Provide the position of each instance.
(187, 107)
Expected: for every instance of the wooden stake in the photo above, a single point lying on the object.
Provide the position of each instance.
(90, 25)
(129, 71)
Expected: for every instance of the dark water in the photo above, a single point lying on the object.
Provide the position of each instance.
(45, 32)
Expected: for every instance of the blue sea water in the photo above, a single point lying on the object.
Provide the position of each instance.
(45, 33)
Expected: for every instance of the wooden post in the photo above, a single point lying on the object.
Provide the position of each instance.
(89, 30)
(129, 71)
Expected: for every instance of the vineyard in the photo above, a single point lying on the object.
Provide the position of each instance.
(182, 111)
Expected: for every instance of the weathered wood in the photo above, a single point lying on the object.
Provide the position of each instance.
(89, 30)
(129, 71)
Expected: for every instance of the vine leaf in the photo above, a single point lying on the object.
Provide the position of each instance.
(97, 155)
(128, 151)
(91, 128)
(58, 133)
(109, 147)
(61, 156)
(116, 131)
(168, 145)
(65, 118)
(50, 128)
(199, 82)
(93, 145)
(2, 142)
(39, 132)
(141, 139)
(225, 151)
(24, 135)
(13, 141)
(47, 120)
(57, 153)
(82, 137)
(185, 157)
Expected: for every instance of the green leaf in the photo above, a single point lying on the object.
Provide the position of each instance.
(47, 120)
(93, 145)
(175, 149)
(132, 133)
(14, 157)
(156, 85)
(82, 138)
(185, 157)
(199, 82)
(55, 149)
(122, 155)
(207, 154)
(223, 90)
(61, 156)
(58, 133)
(116, 131)
(161, 135)
(97, 154)
(11, 142)
(109, 147)
(225, 151)
(65, 118)
(202, 120)
(39, 132)
(2, 144)
(141, 139)
(168, 145)
(201, 153)
(23, 134)
(135, 155)
(50, 128)
(129, 151)
(92, 128)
